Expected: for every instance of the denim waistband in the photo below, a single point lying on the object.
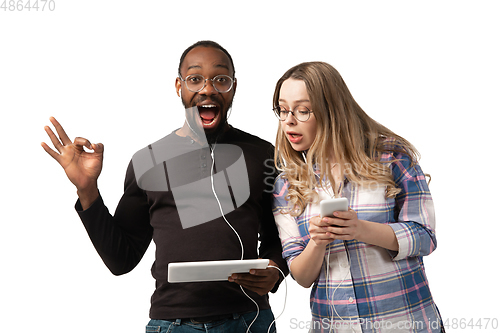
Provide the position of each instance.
(208, 319)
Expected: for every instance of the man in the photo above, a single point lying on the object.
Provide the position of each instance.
(160, 203)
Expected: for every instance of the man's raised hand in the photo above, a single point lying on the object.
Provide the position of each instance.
(82, 168)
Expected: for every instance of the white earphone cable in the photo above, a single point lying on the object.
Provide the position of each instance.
(218, 201)
(242, 249)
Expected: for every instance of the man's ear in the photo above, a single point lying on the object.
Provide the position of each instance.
(178, 86)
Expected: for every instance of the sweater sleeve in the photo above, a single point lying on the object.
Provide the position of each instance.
(415, 225)
(270, 244)
(121, 240)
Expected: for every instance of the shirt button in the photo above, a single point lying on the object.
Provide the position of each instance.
(204, 165)
(192, 141)
(351, 300)
(203, 157)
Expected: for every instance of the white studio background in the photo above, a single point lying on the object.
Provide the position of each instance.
(428, 70)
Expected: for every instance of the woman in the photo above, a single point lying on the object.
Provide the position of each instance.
(365, 264)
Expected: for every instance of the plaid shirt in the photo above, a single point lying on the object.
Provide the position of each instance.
(373, 289)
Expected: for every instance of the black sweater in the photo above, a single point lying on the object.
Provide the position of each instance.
(146, 213)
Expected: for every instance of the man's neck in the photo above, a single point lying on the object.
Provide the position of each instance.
(185, 131)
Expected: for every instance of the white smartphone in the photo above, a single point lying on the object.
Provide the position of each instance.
(328, 206)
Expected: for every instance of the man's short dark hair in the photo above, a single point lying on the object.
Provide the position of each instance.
(205, 43)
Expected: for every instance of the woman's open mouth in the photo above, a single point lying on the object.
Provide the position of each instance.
(294, 137)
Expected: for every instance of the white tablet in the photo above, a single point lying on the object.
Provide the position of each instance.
(219, 270)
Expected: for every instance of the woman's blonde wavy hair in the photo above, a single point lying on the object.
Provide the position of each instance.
(344, 131)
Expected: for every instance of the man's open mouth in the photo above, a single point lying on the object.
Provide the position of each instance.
(208, 114)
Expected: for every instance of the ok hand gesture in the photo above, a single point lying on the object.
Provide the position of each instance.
(82, 168)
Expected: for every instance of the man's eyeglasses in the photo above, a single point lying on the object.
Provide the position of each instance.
(196, 82)
(301, 113)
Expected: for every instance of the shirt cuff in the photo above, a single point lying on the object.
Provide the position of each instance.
(79, 209)
(405, 241)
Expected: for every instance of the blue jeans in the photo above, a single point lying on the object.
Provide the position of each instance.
(237, 324)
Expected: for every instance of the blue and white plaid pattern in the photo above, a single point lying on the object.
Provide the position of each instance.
(373, 289)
